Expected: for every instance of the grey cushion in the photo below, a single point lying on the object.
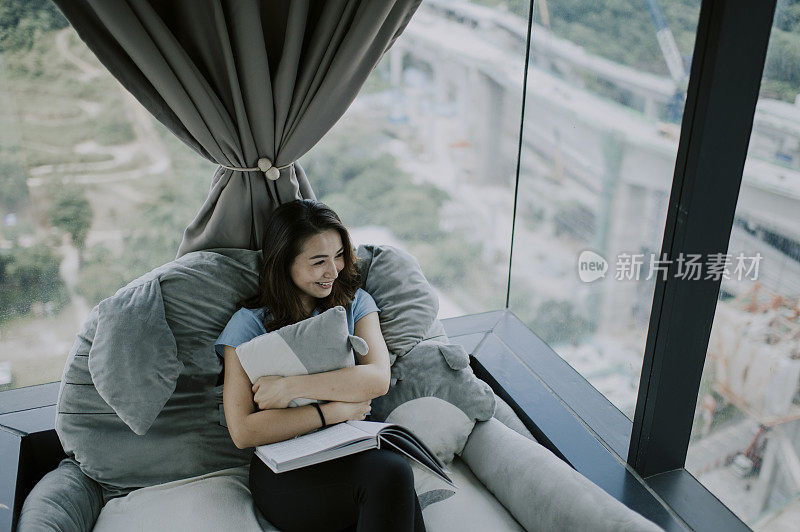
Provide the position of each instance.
(473, 508)
(408, 304)
(200, 292)
(437, 396)
(541, 491)
(430, 489)
(317, 344)
(64, 500)
(219, 501)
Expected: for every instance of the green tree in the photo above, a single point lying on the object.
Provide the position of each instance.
(101, 275)
(782, 66)
(13, 189)
(447, 263)
(154, 236)
(71, 212)
(787, 15)
(27, 276)
(412, 211)
(21, 21)
(339, 159)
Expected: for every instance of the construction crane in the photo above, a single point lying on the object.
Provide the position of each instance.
(672, 56)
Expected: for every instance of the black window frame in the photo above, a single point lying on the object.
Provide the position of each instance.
(727, 67)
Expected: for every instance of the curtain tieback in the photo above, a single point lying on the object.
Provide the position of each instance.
(264, 165)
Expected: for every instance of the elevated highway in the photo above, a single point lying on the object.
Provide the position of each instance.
(466, 62)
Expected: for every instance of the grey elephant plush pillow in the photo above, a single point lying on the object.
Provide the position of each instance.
(140, 394)
(315, 345)
(408, 304)
(437, 396)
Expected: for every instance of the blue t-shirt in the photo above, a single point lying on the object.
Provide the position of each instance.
(246, 324)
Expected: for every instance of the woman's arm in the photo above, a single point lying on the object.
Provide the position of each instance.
(363, 382)
(249, 427)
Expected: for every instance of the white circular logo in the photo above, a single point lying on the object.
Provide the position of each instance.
(591, 266)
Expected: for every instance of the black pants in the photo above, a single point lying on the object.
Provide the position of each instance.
(371, 491)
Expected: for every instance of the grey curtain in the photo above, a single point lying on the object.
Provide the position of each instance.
(241, 80)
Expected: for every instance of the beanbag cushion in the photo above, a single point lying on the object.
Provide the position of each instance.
(430, 489)
(408, 304)
(315, 345)
(64, 499)
(112, 442)
(437, 396)
(216, 501)
(473, 508)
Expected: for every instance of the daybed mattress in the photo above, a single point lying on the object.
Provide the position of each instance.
(221, 501)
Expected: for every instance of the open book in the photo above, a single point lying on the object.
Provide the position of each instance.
(348, 438)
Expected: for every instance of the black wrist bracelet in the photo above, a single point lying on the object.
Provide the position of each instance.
(319, 411)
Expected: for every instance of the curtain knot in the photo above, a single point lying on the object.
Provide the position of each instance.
(263, 165)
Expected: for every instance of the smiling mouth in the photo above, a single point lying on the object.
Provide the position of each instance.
(325, 285)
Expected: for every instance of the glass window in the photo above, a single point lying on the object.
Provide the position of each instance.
(84, 203)
(746, 432)
(424, 160)
(604, 101)
(425, 157)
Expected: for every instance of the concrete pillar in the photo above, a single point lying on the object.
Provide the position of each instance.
(766, 477)
(396, 54)
(489, 114)
(624, 236)
(650, 108)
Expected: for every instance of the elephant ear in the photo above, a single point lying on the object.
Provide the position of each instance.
(455, 356)
(133, 360)
(358, 344)
(407, 302)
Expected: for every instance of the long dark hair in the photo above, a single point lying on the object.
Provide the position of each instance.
(287, 231)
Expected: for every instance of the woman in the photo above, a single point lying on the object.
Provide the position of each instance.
(309, 266)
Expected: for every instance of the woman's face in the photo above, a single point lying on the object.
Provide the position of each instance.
(315, 269)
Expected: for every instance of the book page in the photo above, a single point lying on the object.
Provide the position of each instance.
(369, 427)
(312, 443)
(408, 447)
(404, 437)
(324, 456)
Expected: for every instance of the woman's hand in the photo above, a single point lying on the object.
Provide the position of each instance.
(272, 391)
(339, 411)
